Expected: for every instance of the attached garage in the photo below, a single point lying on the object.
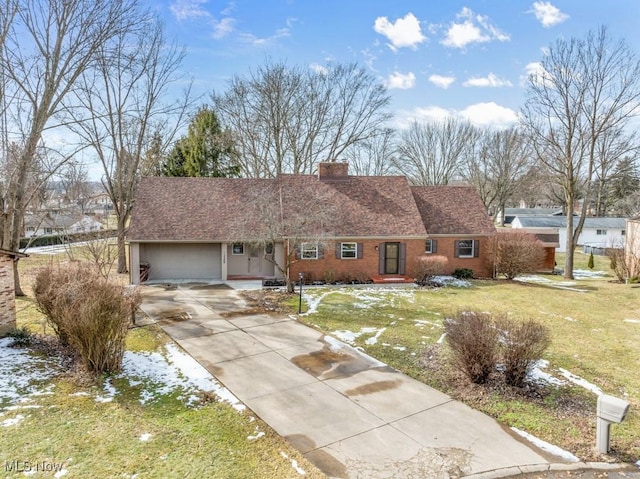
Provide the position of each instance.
(182, 260)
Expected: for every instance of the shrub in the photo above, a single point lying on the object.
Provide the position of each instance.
(330, 276)
(21, 336)
(516, 252)
(87, 312)
(462, 273)
(428, 266)
(521, 345)
(473, 340)
(591, 263)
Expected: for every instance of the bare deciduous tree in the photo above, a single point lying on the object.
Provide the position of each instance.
(587, 88)
(47, 46)
(373, 157)
(433, 152)
(287, 119)
(123, 108)
(499, 168)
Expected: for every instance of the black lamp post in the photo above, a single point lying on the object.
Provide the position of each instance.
(300, 278)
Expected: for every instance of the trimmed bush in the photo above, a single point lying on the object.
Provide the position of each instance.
(88, 313)
(516, 252)
(462, 273)
(473, 340)
(21, 336)
(428, 266)
(522, 345)
(591, 263)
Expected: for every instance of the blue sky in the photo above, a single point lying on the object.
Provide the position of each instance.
(436, 57)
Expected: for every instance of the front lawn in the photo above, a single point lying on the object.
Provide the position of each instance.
(595, 325)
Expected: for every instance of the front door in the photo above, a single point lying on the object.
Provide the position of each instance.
(255, 260)
(391, 258)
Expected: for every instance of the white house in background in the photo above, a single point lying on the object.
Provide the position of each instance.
(596, 232)
(47, 224)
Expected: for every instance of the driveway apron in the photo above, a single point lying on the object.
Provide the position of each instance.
(349, 414)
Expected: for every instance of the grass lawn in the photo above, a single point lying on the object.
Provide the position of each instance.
(595, 325)
(127, 425)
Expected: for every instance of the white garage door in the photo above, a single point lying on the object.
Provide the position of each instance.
(182, 261)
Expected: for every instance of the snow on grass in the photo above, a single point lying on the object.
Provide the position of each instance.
(351, 336)
(588, 274)
(294, 464)
(450, 281)
(537, 373)
(145, 437)
(256, 436)
(567, 285)
(374, 339)
(634, 321)
(545, 446)
(13, 421)
(339, 347)
(577, 380)
(24, 374)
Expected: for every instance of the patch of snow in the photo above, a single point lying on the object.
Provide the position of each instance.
(450, 281)
(577, 380)
(400, 348)
(537, 373)
(110, 391)
(374, 339)
(294, 464)
(313, 302)
(60, 473)
(586, 273)
(545, 446)
(145, 437)
(441, 338)
(569, 318)
(257, 436)
(80, 393)
(567, 285)
(23, 373)
(634, 321)
(423, 322)
(12, 422)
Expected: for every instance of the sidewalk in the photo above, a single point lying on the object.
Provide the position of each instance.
(349, 414)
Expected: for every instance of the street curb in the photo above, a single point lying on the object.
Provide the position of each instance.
(559, 467)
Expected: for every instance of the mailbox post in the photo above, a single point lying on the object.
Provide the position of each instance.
(611, 410)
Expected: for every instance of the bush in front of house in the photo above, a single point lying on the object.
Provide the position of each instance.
(462, 273)
(87, 312)
(516, 253)
(522, 344)
(479, 342)
(473, 340)
(428, 266)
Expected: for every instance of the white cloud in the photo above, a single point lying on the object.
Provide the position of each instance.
(489, 114)
(534, 72)
(317, 68)
(223, 27)
(441, 81)
(479, 114)
(401, 81)
(250, 38)
(405, 32)
(548, 14)
(472, 29)
(490, 80)
(185, 9)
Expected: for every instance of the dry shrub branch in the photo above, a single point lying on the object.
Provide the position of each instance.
(87, 312)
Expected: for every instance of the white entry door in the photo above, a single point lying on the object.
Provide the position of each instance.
(255, 260)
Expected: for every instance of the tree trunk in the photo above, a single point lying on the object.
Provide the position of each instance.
(569, 244)
(122, 252)
(16, 280)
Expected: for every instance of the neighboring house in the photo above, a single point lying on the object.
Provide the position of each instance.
(632, 246)
(40, 224)
(511, 213)
(7, 291)
(596, 232)
(187, 228)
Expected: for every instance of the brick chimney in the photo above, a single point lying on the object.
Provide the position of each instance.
(333, 170)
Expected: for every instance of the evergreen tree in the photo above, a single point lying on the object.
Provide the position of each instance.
(206, 151)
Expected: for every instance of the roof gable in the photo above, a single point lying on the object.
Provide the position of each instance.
(452, 210)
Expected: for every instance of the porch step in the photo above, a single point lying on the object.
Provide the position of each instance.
(392, 279)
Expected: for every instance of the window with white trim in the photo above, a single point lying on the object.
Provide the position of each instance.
(237, 249)
(601, 232)
(428, 246)
(348, 250)
(465, 248)
(309, 251)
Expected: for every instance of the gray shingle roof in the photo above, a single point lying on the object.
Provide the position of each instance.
(561, 222)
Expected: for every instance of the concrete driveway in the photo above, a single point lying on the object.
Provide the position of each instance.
(349, 414)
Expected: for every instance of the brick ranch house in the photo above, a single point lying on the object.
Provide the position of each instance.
(376, 227)
(7, 291)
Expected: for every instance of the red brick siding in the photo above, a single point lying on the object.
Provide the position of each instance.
(368, 265)
(7, 296)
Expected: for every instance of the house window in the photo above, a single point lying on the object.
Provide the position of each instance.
(48, 230)
(237, 248)
(268, 249)
(348, 250)
(428, 246)
(601, 232)
(465, 248)
(622, 233)
(30, 228)
(309, 251)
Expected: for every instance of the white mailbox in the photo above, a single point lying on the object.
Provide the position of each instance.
(610, 410)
